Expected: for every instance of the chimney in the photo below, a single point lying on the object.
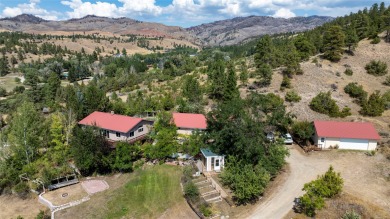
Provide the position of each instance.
(112, 113)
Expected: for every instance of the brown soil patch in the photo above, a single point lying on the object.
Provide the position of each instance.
(12, 206)
(65, 195)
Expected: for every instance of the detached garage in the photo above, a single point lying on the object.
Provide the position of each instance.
(345, 135)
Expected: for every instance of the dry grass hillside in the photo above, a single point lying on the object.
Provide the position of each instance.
(320, 79)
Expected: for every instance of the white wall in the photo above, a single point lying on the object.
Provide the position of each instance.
(208, 163)
(146, 125)
(372, 144)
(185, 131)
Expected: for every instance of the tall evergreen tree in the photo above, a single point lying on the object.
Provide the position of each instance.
(351, 38)
(216, 76)
(52, 86)
(263, 60)
(333, 43)
(4, 67)
(230, 89)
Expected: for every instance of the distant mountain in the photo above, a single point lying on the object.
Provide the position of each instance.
(93, 24)
(26, 18)
(236, 30)
(225, 32)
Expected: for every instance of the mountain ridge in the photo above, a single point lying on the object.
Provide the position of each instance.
(217, 33)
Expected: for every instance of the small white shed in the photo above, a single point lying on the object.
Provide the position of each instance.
(212, 161)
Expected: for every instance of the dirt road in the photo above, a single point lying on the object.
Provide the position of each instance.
(280, 203)
(364, 176)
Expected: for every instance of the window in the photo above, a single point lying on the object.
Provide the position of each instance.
(106, 133)
(322, 139)
(131, 134)
(118, 134)
(141, 129)
(217, 162)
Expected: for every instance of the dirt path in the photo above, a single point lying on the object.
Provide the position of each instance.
(364, 177)
(281, 202)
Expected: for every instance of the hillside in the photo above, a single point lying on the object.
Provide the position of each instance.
(236, 30)
(225, 32)
(93, 24)
(321, 77)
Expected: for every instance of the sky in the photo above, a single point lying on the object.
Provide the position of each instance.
(183, 13)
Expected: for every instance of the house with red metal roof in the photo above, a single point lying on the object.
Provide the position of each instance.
(186, 123)
(118, 127)
(345, 135)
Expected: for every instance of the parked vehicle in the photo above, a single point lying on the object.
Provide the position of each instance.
(287, 138)
(270, 136)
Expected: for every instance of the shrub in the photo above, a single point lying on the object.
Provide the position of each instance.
(42, 215)
(17, 80)
(376, 40)
(387, 81)
(292, 96)
(310, 202)
(191, 191)
(3, 92)
(286, 83)
(303, 130)
(325, 186)
(375, 105)
(356, 91)
(205, 209)
(21, 189)
(386, 98)
(247, 182)
(187, 173)
(323, 103)
(19, 89)
(348, 72)
(351, 215)
(376, 68)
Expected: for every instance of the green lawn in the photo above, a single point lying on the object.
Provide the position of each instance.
(147, 195)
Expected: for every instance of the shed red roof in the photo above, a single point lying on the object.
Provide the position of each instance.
(356, 130)
(190, 120)
(110, 121)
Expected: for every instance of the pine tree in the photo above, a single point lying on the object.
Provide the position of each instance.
(264, 51)
(216, 76)
(52, 86)
(292, 62)
(191, 89)
(333, 43)
(230, 89)
(244, 73)
(351, 38)
(263, 60)
(4, 67)
(375, 105)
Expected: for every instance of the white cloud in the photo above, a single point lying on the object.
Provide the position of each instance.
(188, 12)
(30, 8)
(130, 8)
(81, 9)
(284, 13)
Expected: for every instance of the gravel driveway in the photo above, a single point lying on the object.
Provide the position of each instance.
(281, 202)
(363, 176)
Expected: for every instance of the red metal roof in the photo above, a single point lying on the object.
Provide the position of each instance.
(110, 121)
(356, 130)
(190, 120)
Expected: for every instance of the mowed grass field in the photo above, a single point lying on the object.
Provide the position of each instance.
(147, 193)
